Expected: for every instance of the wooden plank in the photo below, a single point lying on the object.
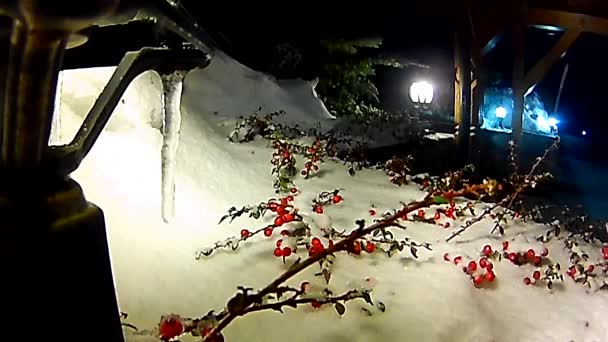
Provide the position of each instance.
(567, 20)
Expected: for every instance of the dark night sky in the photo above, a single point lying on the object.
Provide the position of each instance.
(421, 31)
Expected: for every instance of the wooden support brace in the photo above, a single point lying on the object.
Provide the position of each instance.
(553, 56)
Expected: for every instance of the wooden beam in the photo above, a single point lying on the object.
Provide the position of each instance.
(493, 23)
(567, 20)
(553, 56)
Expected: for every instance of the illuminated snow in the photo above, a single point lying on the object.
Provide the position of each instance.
(155, 271)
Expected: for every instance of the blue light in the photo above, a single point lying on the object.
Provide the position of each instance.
(501, 112)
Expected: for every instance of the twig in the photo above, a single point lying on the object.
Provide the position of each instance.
(470, 223)
(294, 301)
(525, 184)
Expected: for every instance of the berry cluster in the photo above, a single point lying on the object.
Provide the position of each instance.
(313, 155)
(284, 165)
(479, 271)
(173, 326)
(326, 198)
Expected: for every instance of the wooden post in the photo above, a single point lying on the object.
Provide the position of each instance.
(464, 76)
(457, 78)
(518, 81)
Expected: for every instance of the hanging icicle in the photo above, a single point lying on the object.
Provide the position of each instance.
(171, 99)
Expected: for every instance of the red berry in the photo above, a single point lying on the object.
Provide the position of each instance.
(319, 209)
(315, 167)
(527, 281)
(273, 206)
(170, 327)
(457, 260)
(450, 213)
(316, 241)
(537, 261)
(357, 248)
(572, 271)
(285, 232)
(290, 198)
(490, 276)
(372, 212)
(483, 262)
(281, 211)
(545, 252)
(505, 245)
(245, 233)
(370, 247)
(478, 279)
(590, 269)
(289, 217)
(278, 252)
(286, 252)
(446, 225)
(267, 231)
(536, 275)
(337, 199)
(605, 252)
(421, 213)
(307, 165)
(513, 257)
(279, 242)
(437, 216)
(446, 257)
(315, 250)
(472, 267)
(303, 173)
(489, 267)
(278, 222)
(315, 304)
(530, 254)
(294, 190)
(487, 250)
(284, 202)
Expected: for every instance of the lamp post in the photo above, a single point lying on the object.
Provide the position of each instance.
(501, 114)
(421, 94)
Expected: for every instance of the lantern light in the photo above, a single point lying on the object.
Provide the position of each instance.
(421, 92)
(501, 112)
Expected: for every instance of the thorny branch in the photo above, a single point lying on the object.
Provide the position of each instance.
(527, 182)
(296, 268)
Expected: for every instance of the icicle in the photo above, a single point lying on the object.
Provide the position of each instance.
(55, 138)
(172, 120)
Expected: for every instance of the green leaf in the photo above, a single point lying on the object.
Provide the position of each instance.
(413, 250)
(440, 200)
(340, 308)
(367, 297)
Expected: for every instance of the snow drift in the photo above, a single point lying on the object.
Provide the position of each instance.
(154, 267)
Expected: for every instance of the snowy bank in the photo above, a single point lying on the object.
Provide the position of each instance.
(155, 271)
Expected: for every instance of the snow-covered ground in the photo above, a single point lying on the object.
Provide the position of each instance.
(156, 273)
